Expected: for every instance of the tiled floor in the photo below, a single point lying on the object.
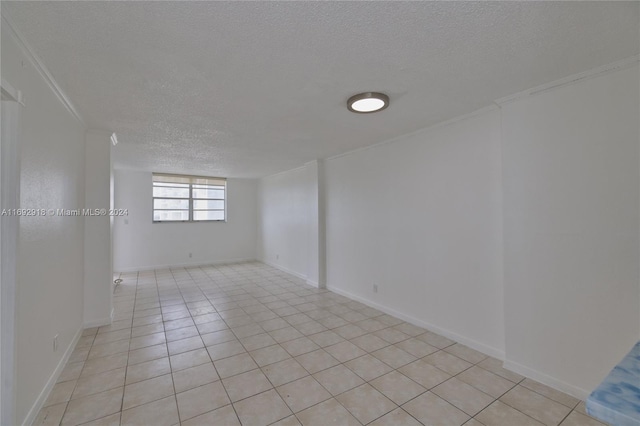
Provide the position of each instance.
(248, 344)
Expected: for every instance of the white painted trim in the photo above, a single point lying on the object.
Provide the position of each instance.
(98, 322)
(184, 265)
(99, 132)
(312, 283)
(44, 394)
(9, 228)
(545, 379)
(305, 165)
(400, 137)
(322, 226)
(287, 270)
(473, 344)
(28, 51)
(286, 171)
(10, 92)
(571, 79)
(427, 129)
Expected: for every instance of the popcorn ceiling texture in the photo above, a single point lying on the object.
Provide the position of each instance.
(249, 89)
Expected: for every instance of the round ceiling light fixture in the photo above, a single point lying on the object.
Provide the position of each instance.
(368, 102)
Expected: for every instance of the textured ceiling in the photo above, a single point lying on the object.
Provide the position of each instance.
(247, 89)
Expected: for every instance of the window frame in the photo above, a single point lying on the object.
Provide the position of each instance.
(192, 180)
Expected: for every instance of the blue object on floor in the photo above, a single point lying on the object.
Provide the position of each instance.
(617, 399)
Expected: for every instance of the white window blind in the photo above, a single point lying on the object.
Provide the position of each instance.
(180, 198)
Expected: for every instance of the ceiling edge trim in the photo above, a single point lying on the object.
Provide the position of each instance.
(100, 132)
(498, 103)
(41, 68)
(10, 92)
(571, 79)
(295, 169)
(104, 133)
(427, 129)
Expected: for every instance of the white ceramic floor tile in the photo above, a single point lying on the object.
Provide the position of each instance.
(249, 344)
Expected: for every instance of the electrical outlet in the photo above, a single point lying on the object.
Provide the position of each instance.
(55, 343)
(375, 288)
(190, 254)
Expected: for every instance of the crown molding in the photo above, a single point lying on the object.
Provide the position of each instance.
(104, 134)
(286, 171)
(571, 79)
(28, 51)
(498, 103)
(10, 93)
(427, 129)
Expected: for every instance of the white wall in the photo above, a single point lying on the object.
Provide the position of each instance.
(141, 244)
(421, 218)
(571, 230)
(49, 296)
(98, 274)
(288, 222)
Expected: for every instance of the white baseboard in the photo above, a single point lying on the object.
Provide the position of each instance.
(547, 380)
(98, 322)
(473, 344)
(182, 265)
(292, 272)
(42, 398)
(287, 270)
(313, 283)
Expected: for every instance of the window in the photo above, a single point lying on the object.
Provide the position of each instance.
(178, 198)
